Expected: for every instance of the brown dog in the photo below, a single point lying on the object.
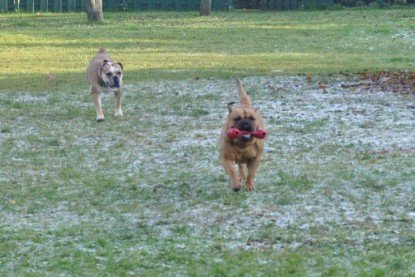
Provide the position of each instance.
(246, 150)
(103, 74)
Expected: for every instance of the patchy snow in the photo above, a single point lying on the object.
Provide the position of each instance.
(338, 166)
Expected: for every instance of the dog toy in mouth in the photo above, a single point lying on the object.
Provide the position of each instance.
(234, 133)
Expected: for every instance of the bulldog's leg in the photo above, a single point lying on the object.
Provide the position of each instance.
(118, 111)
(242, 171)
(230, 169)
(252, 168)
(96, 95)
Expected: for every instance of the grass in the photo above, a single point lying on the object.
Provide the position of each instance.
(183, 45)
(145, 195)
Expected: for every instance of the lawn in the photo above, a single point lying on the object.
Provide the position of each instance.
(177, 46)
(146, 195)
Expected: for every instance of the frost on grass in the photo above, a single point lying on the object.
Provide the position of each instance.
(338, 169)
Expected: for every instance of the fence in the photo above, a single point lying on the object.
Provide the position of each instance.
(292, 4)
(79, 5)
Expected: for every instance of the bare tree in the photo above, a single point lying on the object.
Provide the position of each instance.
(205, 7)
(94, 10)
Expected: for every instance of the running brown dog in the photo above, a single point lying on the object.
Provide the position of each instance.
(246, 150)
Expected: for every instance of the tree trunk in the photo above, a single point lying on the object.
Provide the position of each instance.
(94, 10)
(205, 7)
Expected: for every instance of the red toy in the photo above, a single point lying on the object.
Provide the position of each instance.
(234, 133)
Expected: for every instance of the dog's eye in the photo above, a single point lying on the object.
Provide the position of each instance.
(251, 118)
(237, 118)
(109, 74)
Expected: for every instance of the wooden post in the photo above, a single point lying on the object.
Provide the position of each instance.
(205, 7)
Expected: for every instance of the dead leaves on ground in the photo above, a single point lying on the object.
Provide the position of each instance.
(396, 82)
(382, 81)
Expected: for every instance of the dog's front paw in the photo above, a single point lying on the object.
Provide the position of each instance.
(236, 187)
(100, 118)
(249, 186)
(118, 113)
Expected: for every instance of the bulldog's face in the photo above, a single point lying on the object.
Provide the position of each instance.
(243, 119)
(111, 74)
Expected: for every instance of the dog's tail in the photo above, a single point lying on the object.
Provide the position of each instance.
(244, 99)
(101, 50)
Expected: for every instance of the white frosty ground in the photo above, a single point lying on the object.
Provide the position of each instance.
(338, 166)
(376, 123)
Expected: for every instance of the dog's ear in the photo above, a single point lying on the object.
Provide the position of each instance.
(120, 64)
(230, 106)
(104, 62)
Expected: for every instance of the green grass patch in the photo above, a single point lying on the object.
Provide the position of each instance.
(51, 51)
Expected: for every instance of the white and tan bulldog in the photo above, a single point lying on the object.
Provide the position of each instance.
(103, 74)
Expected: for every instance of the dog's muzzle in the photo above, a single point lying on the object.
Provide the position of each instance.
(116, 82)
(245, 125)
(113, 83)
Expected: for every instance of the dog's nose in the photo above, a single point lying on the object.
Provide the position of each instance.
(245, 125)
(116, 81)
